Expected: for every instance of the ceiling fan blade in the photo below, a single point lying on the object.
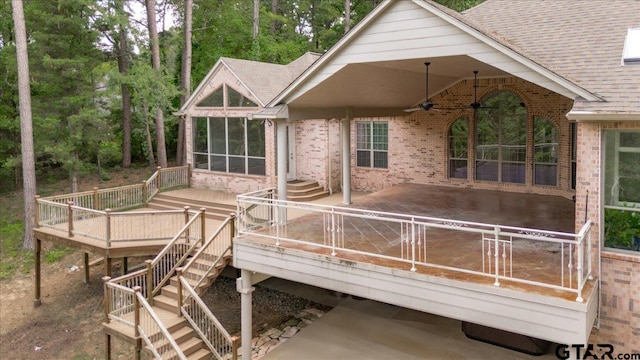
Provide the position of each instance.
(412, 109)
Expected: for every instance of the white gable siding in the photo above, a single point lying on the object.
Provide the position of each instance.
(407, 31)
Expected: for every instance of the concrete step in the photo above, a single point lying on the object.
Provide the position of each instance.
(305, 191)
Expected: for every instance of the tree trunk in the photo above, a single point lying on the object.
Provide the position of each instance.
(274, 11)
(26, 124)
(186, 79)
(123, 68)
(152, 160)
(256, 18)
(347, 16)
(155, 63)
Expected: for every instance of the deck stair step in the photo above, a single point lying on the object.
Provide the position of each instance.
(166, 201)
(298, 190)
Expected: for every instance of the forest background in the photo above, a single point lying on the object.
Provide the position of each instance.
(103, 91)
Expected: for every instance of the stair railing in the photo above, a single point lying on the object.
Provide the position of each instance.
(152, 331)
(218, 246)
(202, 320)
(211, 331)
(178, 250)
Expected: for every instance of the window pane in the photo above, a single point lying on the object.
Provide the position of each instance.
(459, 139)
(256, 166)
(200, 161)
(380, 135)
(487, 147)
(363, 158)
(236, 164)
(363, 135)
(236, 136)
(458, 169)
(255, 138)
(199, 126)
(630, 139)
(213, 100)
(546, 174)
(380, 159)
(238, 100)
(218, 163)
(513, 173)
(487, 170)
(217, 136)
(629, 180)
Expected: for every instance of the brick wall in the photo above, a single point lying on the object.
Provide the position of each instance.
(418, 143)
(620, 275)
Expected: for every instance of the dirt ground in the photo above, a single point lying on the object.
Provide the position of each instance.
(68, 323)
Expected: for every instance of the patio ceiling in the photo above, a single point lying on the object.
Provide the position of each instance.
(391, 86)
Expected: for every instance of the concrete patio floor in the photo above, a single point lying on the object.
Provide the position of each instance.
(367, 329)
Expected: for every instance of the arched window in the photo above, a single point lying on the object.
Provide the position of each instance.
(545, 154)
(501, 144)
(458, 148)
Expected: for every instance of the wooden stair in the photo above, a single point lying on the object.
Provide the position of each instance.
(298, 190)
(186, 338)
(216, 211)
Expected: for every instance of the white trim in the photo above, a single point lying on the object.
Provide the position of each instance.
(597, 116)
(511, 53)
(331, 52)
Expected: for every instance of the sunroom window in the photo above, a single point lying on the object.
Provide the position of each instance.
(458, 148)
(226, 97)
(622, 189)
(231, 145)
(372, 144)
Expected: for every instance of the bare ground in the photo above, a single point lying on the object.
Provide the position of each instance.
(68, 323)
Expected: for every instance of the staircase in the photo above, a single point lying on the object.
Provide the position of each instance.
(167, 304)
(298, 190)
(213, 210)
(184, 269)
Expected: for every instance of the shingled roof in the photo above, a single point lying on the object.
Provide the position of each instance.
(580, 40)
(267, 80)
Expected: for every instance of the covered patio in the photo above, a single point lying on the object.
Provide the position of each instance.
(465, 234)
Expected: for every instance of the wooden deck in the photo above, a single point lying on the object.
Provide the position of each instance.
(533, 261)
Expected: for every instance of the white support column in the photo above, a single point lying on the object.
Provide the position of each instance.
(243, 285)
(346, 158)
(283, 154)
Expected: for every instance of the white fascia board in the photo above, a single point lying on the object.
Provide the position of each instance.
(290, 90)
(204, 81)
(581, 116)
(578, 90)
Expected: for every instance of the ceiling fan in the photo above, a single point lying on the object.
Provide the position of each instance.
(428, 105)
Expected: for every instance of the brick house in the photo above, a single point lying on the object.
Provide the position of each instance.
(554, 109)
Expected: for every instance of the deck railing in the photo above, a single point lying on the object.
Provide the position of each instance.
(215, 250)
(153, 332)
(181, 247)
(125, 303)
(98, 214)
(412, 239)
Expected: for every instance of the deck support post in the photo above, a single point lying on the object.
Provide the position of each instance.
(243, 285)
(86, 268)
(107, 265)
(136, 321)
(346, 157)
(203, 234)
(36, 253)
(107, 347)
(125, 265)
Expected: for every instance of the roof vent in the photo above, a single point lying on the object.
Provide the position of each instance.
(631, 52)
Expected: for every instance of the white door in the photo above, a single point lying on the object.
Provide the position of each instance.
(291, 152)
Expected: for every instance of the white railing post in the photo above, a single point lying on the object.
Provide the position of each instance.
(496, 254)
(589, 254)
(413, 244)
(579, 267)
(333, 233)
